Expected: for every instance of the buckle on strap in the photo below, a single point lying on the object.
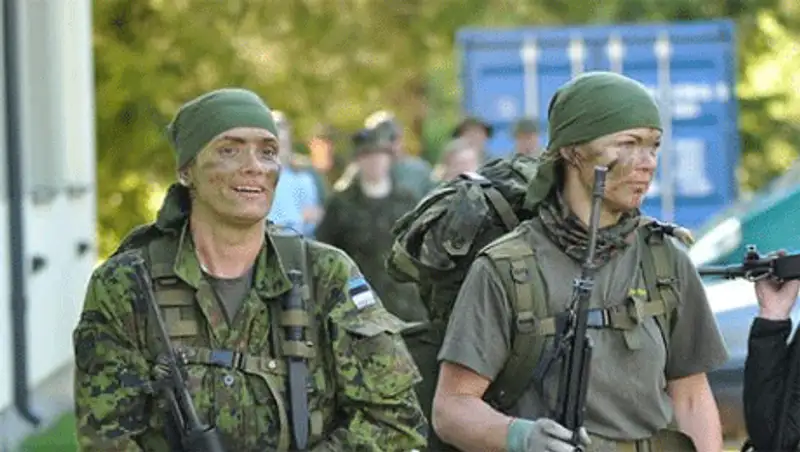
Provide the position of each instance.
(597, 318)
(526, 322)
(225, 358)
(666, 282)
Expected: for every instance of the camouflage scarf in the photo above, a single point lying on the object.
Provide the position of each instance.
(571, 235)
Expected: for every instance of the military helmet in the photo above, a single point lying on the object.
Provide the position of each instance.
(386, 122)
(368, 141)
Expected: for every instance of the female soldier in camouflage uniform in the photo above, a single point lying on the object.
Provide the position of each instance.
(220, 279)
(645, 374)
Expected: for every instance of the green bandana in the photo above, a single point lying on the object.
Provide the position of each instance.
(203, 118)
(589, 106)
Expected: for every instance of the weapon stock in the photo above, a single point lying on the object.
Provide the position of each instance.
(194, 435)
(575, 367)
(755, 267)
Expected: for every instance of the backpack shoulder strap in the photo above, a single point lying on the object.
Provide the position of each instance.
(292, 251)
(515, 262)
(496, 199)
(659, 272)
(173, 296)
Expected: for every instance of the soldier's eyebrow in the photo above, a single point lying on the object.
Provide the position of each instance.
(638, 137)
(240, 140)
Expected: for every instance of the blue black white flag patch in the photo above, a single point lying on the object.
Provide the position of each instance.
(360, 292)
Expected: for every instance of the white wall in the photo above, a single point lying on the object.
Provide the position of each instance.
(57, 96)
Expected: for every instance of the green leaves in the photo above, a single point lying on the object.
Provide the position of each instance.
(336, 61)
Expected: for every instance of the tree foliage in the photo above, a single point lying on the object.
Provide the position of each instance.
(336, 61)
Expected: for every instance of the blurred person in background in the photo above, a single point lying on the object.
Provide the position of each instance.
(359, 220)
(410, 172)
(301, 162)
(526, 137)
(477, 131)
(459, 156)
(297, 203)
(322, 151)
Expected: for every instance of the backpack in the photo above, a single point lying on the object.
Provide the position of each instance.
(436, 242)
(476, 214)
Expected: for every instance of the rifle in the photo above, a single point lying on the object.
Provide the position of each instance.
(755, 267)
(194, 435)
(575, 344)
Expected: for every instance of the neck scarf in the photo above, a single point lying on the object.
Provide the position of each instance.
(571, 235)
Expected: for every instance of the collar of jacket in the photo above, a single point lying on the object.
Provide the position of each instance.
(270, 279)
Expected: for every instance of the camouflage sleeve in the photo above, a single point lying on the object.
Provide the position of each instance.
(110, 374)
(376, 374)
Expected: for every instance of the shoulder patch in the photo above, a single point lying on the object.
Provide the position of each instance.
(360, 292)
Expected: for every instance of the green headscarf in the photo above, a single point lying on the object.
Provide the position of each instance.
(589, 106)
(198, 122)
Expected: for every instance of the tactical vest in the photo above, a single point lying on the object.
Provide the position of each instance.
(176, 299)
(518, 269)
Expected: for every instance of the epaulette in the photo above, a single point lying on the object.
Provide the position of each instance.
(139, 236)
(679, 232)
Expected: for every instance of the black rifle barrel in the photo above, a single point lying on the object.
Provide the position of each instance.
(575, 368)
(784, 267)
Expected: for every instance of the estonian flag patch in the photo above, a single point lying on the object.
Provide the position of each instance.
(360, 292)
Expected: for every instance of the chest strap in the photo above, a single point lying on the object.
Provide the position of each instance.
(269, 369)
(233, 360)
(624, 316)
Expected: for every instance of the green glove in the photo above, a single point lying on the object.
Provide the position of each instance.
(541, 435)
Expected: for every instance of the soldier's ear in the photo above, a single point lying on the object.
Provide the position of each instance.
(570, 155)
(185, 177)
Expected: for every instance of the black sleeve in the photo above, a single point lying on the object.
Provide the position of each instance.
(765, 379)
(328, 230)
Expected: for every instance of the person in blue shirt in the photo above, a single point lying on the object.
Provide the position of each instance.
(297, 203)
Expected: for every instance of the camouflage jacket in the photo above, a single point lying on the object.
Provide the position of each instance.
(361, 382)
(362, 227)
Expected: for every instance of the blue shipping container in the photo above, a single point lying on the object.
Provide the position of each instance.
(507, 74)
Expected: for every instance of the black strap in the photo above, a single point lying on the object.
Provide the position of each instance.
(496, 199)
(502, 207)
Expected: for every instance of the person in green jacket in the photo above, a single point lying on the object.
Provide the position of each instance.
(359, 221)
(654, 334)
(219, 276)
